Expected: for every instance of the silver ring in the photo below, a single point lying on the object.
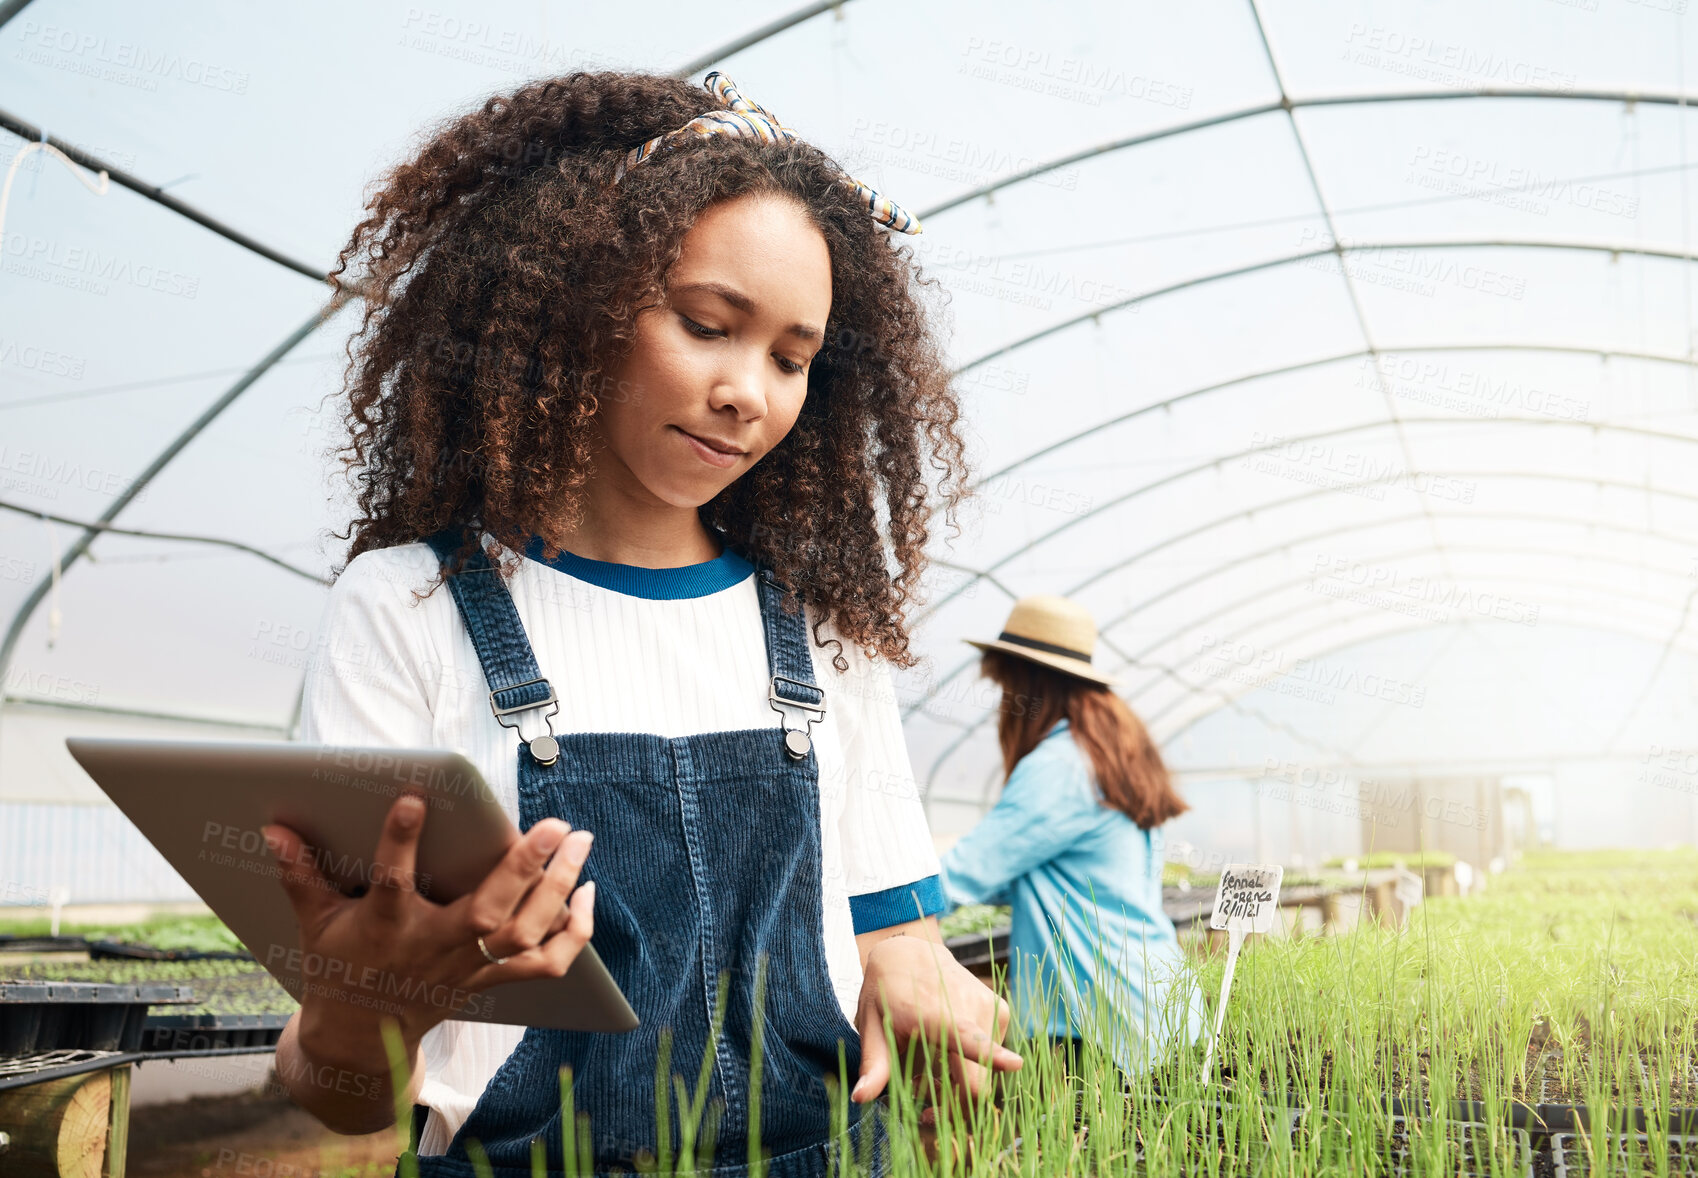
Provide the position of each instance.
(493, 959)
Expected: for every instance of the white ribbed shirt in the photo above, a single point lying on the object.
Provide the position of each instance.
(389, 672)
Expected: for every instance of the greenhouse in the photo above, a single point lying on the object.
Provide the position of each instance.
(1334, 363)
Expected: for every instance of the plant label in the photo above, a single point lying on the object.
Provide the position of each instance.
(1246, 902)
(1408, 888)
(1248, 898)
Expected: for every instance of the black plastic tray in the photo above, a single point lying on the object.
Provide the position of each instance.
(1571, 1157)
(193, 1034)
(1545, 1119)
(98, 949)
(69, 1016)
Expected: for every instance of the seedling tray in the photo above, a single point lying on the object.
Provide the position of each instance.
(1279, 1116)
(1474, 1141)
(98, 949)
(1471, 1138)
(201, 1034)
(1544, 1119)
(1573, 1156)
(1470, 1148)
(39, 1017)
(1204, 1127)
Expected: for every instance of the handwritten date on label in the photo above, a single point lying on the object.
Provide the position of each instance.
(1248, 899)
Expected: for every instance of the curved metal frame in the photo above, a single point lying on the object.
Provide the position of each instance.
(1337, 530)
(1168, 480)
(1588, 622)
(1369, 525)
(1234, 700)
(1606, 624)
(1253, 631)
(1605, 354)
(770, 29)
(1286, 103)
(144, 534)
(1162, 672)
(1324, 534)
(1309, 256)
(29, 132)
(163, 459)
(1291, 105)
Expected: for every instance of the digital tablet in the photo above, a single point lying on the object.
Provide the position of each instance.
(203, 803)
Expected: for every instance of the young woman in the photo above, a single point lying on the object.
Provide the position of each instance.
(1074, 844)
(637, 371)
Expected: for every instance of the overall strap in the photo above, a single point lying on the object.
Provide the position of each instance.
(792, 691)
(509, 665)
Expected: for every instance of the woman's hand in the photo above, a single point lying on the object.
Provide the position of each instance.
(391, 951)
(930, 996)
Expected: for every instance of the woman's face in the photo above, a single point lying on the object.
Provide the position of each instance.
(725, 359)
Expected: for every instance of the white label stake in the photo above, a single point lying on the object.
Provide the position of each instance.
(1246, 902)
(1408, 888)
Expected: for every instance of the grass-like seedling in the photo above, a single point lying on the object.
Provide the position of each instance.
(1570, 980)
(197, 931)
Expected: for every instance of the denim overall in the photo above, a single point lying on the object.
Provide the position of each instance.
(707, 858)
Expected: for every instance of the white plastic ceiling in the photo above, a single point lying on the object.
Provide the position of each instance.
(1338, 357)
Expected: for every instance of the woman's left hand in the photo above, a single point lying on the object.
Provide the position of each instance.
(930, 996)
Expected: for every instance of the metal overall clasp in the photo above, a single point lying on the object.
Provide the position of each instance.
(544, 748)
(797, 742)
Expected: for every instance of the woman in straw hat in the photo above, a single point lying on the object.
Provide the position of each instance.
(1074, 844)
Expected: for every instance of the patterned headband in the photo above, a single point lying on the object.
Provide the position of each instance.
(748, 119)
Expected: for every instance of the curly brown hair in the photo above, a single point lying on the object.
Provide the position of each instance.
(503, 272)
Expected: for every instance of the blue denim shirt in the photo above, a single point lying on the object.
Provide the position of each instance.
(1084, 881)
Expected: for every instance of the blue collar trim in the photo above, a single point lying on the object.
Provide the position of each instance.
(690, 580)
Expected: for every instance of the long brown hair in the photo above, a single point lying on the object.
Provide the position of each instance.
(1125, 763)
(503, 274)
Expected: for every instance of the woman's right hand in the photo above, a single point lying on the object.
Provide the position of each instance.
(391, 951)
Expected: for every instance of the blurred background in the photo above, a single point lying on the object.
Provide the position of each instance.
(1338, 356)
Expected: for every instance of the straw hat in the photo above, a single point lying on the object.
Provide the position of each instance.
(1053, 631)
